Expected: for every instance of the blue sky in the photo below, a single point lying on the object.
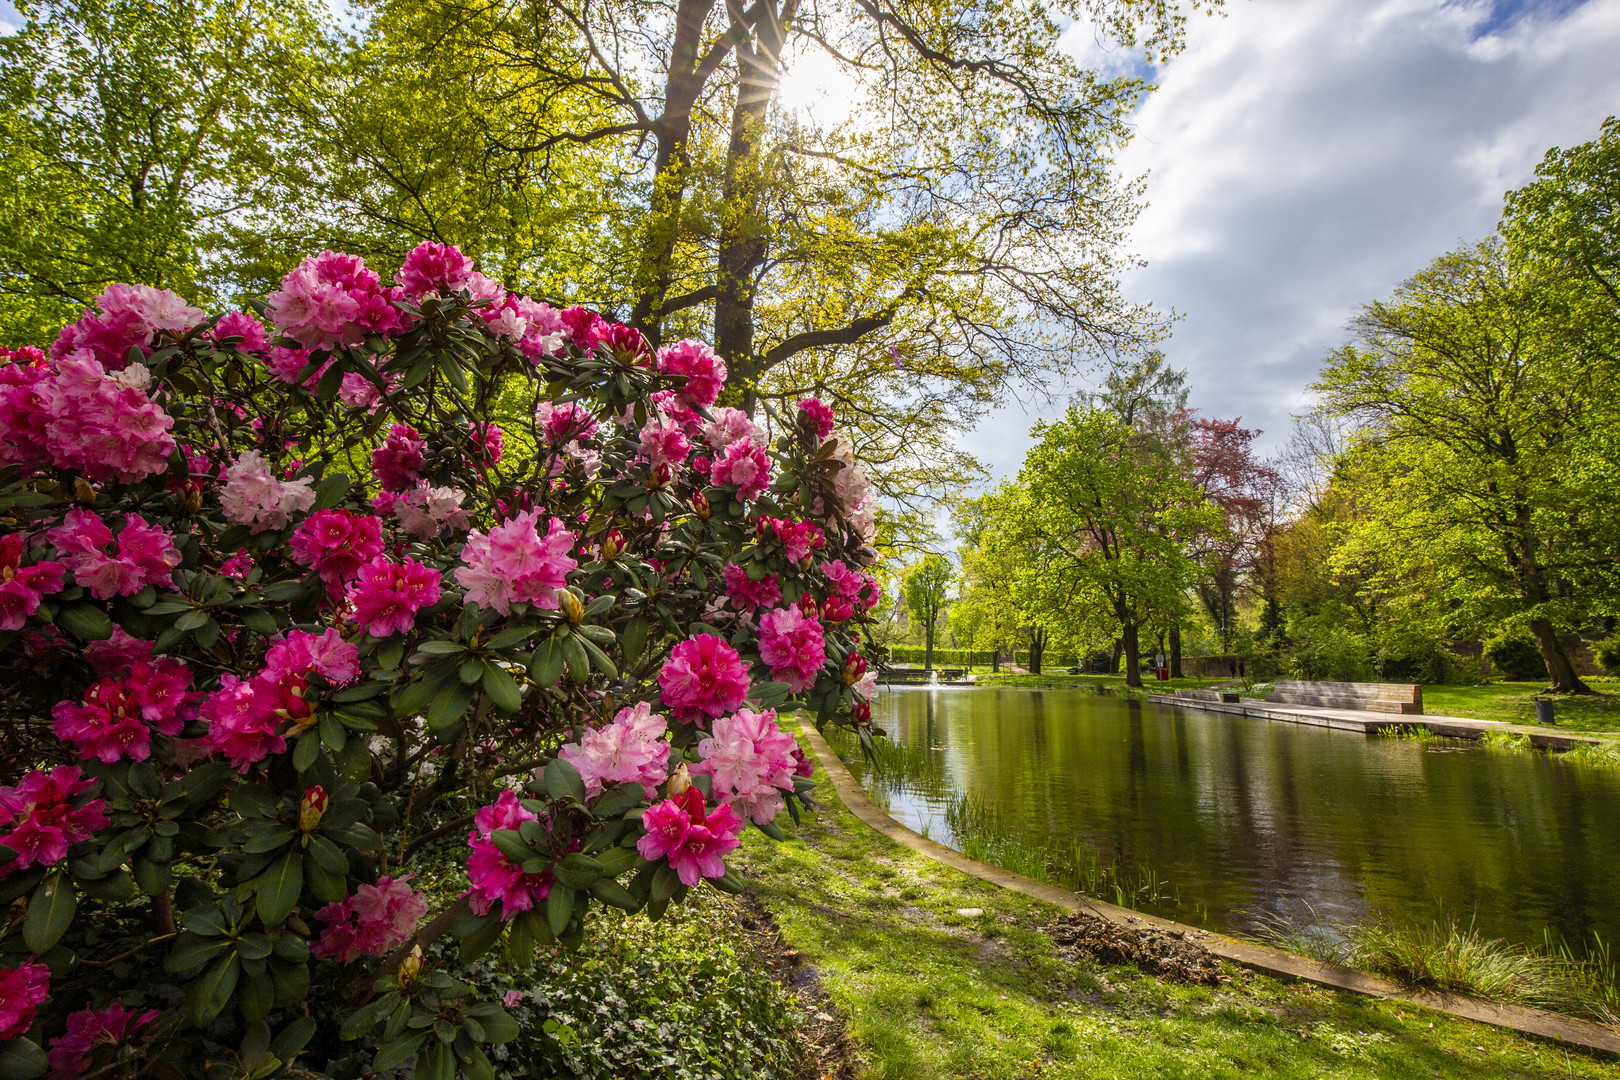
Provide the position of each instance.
(1305, 156)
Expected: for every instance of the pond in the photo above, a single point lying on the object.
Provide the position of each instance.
(1241, 818)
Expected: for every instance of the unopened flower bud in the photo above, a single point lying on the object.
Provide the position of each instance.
(411, 966)
(807, 605)
(863, 714)
(83, 491)
(679, 781)
(854, 668)
(311, 808)
(700, 505)
(612, 544)
(571, 606)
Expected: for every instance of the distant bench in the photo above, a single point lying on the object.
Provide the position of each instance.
(1403, 698)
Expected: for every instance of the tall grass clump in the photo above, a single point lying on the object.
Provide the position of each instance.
(1459, 959)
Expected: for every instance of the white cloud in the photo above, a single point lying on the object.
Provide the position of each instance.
(1305, 158)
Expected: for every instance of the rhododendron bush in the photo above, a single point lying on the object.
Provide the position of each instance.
(288, 594)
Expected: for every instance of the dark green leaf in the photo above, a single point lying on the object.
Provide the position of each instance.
(278, 888)
(50, 913)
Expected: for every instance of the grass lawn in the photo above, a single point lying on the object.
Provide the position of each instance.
(1514, 702)
(933, 995)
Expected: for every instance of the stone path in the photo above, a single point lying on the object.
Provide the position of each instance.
(1546, 1025)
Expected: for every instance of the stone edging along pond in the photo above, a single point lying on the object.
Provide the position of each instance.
(1274, 962)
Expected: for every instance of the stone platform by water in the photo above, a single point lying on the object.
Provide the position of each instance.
(1371, 723)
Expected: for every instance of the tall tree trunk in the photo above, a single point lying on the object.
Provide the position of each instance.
(995, 658)
(744, 233)
(1560, 671)
(682, 86)
(1175, 652)
(1037, 650)
(1113, 660)
(1133, 655)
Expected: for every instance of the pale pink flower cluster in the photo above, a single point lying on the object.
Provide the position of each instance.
(131, 317)
(537, 328)
(301, 653)
(373, 922)
(516, 563)
(493, 877)
(385, 596)
(118, 714)
(22, 587)
(630, 750)
(751, 762)
(22, 990)
(358, 392)
(145, 554)
(664, 444)
(74, 1051)
(794, 645)
(694, 842)
(43, 820)
(427, 511)
(726, 426)
(78, 416)
(746, 466)
(705, 372)
(332, 300)
(251, 494)
(704, 677)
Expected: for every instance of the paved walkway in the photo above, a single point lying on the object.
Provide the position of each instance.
(1546, 1025)
(1459, 727)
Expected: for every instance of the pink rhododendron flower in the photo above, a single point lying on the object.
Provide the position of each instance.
(238, 565)
(44, 822)
(793, 644)
(145, 554)
(118, 714)
(492, 875)
(746, 595)
(434, 268)
(399, 460)
(802, 766)
(664, 443)
(750, 761)
(799, 538)
(727, 426)
(300, 653)
(537, 328)
(704, 677)
(565, 423)
(627, 343)
(835, 609)
(285, 364)
(246, 328)
(251, 494)
(705, 372)
(694, 843)
(843, 580)
(867, 685)
(80, 417)
(515, 563)
(818, 415)
(427, 511)
(22, 407)
(585, 328)
(630, 750)
(358, 392)
(22, 990)
(386, 596)
(118, 654)
(21, 587)
(131, 316)
(332, 300)
(245, 717)
(336, 543)
(73, 1052)
(373, 922)
(745, 466)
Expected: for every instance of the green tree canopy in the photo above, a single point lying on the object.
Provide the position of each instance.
(926, 589)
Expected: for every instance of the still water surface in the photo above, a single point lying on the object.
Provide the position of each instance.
(1245, 816)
